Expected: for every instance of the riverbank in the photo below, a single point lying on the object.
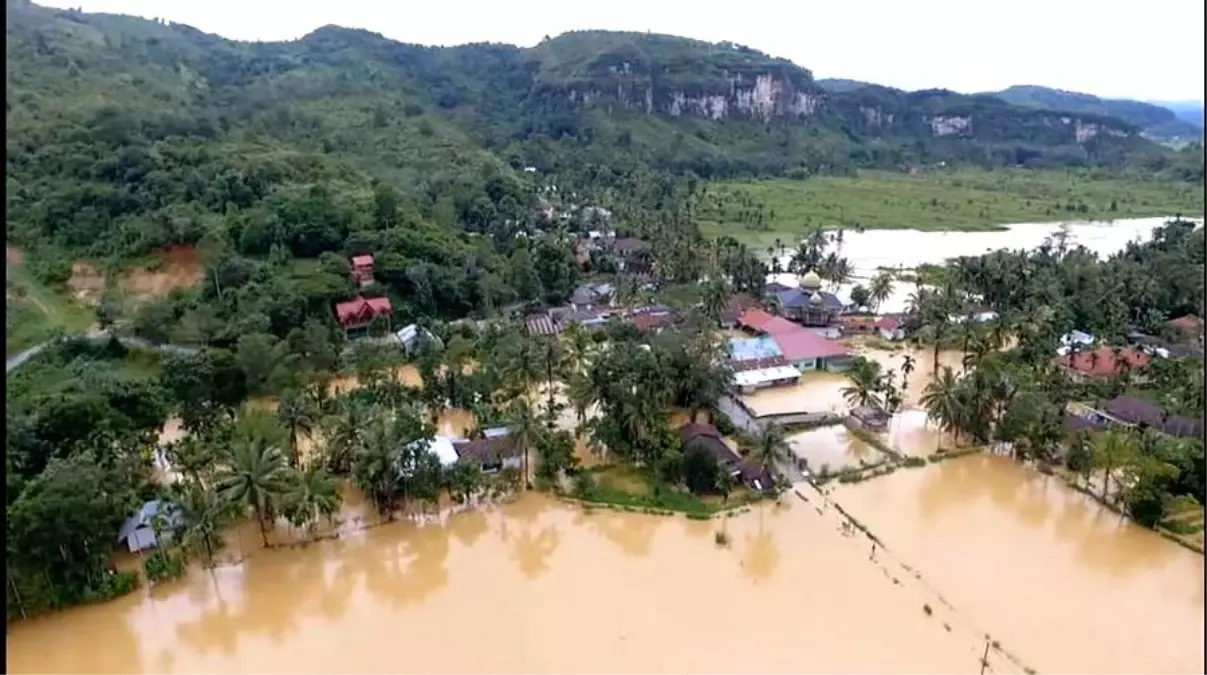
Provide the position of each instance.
(760, 212)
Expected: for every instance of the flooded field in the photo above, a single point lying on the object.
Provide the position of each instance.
(873, 249)
(544, 588)
(832, 447)
(1066, 584)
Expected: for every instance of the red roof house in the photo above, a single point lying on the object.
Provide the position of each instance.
(1189, 324)
(754, 319)
(359, 312)
(362, 269)
(1101, 362)
(778, 325)
(803, 345)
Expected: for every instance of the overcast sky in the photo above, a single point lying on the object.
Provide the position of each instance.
(1151, 50)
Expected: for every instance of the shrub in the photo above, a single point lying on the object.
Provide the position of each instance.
(162, 566)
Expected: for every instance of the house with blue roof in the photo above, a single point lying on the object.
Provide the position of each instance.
(156, 521)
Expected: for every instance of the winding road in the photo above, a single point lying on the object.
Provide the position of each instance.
(17, 360)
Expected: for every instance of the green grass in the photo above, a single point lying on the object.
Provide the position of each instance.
(48, 372)
(759, 212)
(35, 313)
(630, 489)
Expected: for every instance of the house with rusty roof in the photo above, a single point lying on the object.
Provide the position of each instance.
(735, 306)
(361, 270)
(356, 316)
(495, 451)
(697, 437)
(1103, 361)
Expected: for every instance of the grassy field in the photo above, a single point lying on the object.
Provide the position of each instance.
(34, 313)
(758, 212)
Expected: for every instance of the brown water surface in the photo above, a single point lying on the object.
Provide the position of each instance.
(1062, 582)
(833, 447)
(533, 587)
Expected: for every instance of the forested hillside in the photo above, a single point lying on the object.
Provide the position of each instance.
(1155, 121)
(126, 136)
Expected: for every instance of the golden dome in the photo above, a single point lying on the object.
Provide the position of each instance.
(816, 299)
(811, 281)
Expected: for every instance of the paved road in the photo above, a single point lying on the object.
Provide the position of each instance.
(16, 361)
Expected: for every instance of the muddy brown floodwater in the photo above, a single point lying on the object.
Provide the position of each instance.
(1059, 580)
(535, 586)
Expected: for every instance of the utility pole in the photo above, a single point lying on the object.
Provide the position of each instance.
(985, 656)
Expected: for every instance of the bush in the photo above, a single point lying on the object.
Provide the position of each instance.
(723, 424)
(112, 585)
(584, 485)
(163, 566)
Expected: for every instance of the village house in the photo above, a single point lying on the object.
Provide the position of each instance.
(653, 319)
(587, 296)
(734, 307)
(1103, 361)
(867, 417)
(495, 451)
(1189, 327)
(1134, 411)
(706, 438)
(1075, 340)
(758, 363)
(891, 327)
(361, 270)
(974, 313)
(800, 347)
(358, 315)
(807, 351)
(439, 445)
(413, 337)
(154, 523)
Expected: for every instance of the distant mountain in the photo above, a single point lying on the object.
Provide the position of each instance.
(1187, 111)
(839, 84)
(1155, 121)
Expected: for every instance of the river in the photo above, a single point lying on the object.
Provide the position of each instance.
(991, 547)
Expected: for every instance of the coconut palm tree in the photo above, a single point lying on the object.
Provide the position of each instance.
(941, 400)
(255, 477)
(312, 493)
(299, 415)
(908, 363)
(204, 515)
(525, 426)
(880, 289)
(582, 396)
(1111, 450)
(770, 448)
(864, 386)
(342, 433)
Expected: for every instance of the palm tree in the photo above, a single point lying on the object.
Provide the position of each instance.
(204, 516)
(1111, 450)
(880, 289)
(578, 345)
(865, 383)
(908, 363)
(941, 400)
(256, 476)
(299, 415)
(581, 395)
(770, 449)
(343, 434)
(525, 426)
(312, 493)
(716, 295)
